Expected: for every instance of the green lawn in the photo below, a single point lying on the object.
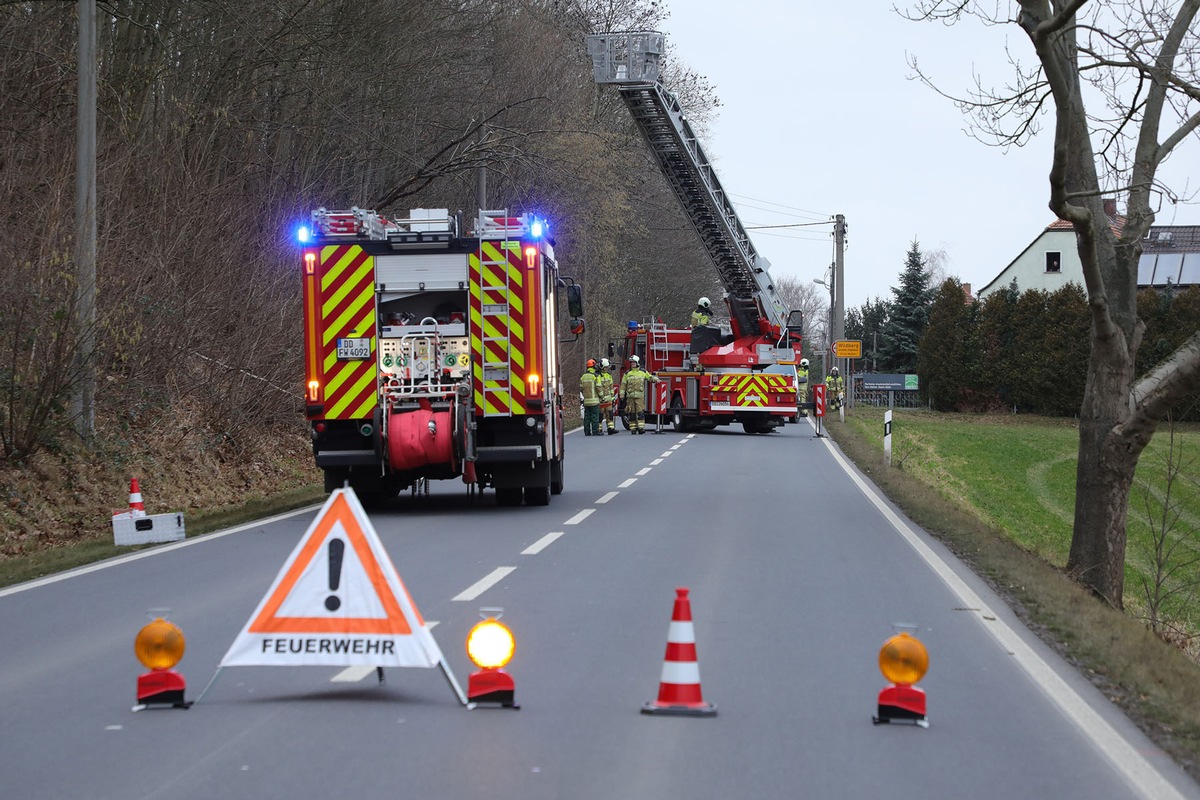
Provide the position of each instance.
(1018, 473)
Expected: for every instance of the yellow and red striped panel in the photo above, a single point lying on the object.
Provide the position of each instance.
(347, 310)
(502, 347)
(751, 390)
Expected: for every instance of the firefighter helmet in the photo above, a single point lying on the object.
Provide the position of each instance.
(704, 303)
(604, 363)
(591, 363)
(834, 372)
(634, 360)
(804, 363)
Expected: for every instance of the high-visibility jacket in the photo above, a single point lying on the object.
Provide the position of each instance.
(699, 318)
(633, 384)
(604, 386)
(587, 386)
(835, 383)
(801, 375)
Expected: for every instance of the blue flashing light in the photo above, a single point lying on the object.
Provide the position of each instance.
(304, 234)
(537, 228)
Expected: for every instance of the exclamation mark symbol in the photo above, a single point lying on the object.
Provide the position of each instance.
(337, 549)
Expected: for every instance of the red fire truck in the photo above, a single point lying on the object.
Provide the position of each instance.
(740, 371)
(433, 354)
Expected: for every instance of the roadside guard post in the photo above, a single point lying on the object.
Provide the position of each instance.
(887, 437)
(818, 390)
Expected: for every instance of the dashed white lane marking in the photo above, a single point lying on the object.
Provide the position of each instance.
(541, 544)
(606, 498)
(359, 671)
(676, 446)
(580, 517)
(353, 674)
(656, 462)
(1130, 764)
(642, 471)
(481, 586)
(664, 455)
(626, 484)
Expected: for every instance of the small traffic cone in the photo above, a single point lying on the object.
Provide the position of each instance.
(679, 688)
(136, 507)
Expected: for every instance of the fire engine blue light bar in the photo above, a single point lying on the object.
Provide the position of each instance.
(304, 234)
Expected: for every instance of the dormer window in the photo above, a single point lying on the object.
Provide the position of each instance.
(1053, 262)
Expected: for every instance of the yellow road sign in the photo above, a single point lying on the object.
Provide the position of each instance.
(847, 348)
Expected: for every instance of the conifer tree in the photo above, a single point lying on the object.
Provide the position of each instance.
(944, 361)
(909, 315)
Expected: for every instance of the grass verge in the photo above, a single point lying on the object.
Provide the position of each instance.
(1155, 684)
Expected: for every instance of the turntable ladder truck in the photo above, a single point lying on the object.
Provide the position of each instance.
(706, 377)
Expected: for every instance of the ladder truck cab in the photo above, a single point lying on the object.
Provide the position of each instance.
(743, 371)
(430, 354)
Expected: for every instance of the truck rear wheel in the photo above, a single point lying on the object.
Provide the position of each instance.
(556, 476)
(537, 495)
(508, 495)
(678, 421)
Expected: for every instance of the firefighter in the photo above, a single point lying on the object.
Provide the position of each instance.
(604, 384)
(835, 388)
(588, 387)
(703, 312)
(802, 386)
(633, 392)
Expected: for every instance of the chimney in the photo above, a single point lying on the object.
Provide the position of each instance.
(966, 287)
(1110, 207)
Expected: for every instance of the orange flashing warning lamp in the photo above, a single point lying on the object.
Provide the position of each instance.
(310, 262)
(159, 646)
(903, 660)
(490, 646)
(314, 391)
(534, 381)
(531, 256)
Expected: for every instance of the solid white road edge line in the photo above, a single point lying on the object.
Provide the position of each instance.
(541, 544)
(154, 551)
(1139, 773)
(481, 586)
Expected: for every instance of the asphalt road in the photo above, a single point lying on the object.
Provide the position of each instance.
(797, 574)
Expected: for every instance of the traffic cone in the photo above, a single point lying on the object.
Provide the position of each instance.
(679, 688)
(136, 507)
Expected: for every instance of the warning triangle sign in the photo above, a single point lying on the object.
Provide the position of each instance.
(338, 601)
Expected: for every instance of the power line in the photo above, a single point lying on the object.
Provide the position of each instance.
(781, 205)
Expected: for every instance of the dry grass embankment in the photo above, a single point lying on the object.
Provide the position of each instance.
(55, 509)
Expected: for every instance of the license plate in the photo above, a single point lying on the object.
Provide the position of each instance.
(353, 349)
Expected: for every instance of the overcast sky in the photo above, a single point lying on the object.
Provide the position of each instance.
(819, 117)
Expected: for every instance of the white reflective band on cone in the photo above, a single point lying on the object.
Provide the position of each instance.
(681, 633)
(683, 672)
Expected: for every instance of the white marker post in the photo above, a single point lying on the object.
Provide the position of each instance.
(887, 438)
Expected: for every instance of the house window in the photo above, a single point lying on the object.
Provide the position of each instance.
(1053, 262)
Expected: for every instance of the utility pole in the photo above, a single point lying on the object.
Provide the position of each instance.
(839, 275)
(83, 403)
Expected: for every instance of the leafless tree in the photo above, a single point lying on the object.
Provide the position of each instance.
(1120, 80)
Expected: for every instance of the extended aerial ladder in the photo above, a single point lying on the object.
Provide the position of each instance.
(630, 61)
(705, 376)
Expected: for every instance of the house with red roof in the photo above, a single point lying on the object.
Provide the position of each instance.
(1170, 255)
